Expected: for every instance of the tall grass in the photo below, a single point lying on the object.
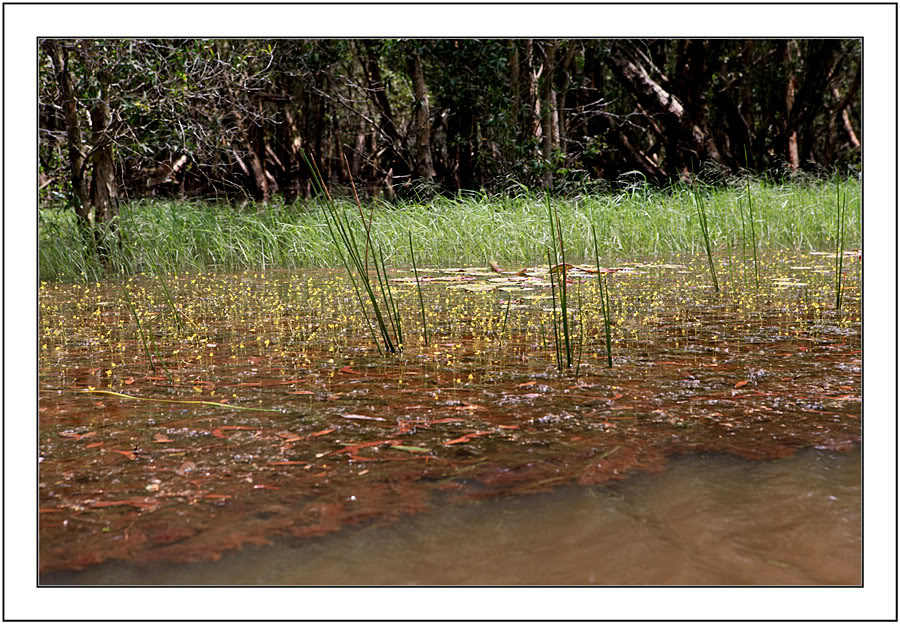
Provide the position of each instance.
(468, 229)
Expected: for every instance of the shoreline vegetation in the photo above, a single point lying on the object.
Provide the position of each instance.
(468, 229)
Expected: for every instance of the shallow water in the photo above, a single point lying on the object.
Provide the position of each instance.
(705, 520)
(268, 414)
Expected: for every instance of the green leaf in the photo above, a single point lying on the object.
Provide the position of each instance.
(412, 449)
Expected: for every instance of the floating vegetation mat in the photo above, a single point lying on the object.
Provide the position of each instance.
(257, 405)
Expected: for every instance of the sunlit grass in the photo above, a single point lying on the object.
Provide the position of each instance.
(469, 229)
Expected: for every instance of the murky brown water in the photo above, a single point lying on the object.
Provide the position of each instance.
(268, 409)
(706, 520)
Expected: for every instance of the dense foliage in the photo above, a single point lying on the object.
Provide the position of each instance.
(129, 118)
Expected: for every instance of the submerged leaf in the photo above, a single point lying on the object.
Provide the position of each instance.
(411, 449)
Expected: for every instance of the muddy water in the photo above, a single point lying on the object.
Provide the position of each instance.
(246, 409)
(706, 520)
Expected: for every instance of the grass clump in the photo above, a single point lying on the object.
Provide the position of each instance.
(466, 229)
(357, 265)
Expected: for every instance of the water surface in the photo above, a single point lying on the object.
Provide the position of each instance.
(705, 520)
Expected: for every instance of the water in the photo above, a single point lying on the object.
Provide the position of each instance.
(705, 520)
(269, 414)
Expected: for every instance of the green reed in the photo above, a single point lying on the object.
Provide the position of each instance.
(559, 272)
(604, 299)
(418, 288)
(752, 234)
(839, 252)
(348, 249)
(140, 326)
(704, 228)
(555, 319)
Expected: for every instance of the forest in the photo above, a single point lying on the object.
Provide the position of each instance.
(230, 119)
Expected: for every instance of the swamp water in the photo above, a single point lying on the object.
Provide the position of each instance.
(708, 520)
(269, 417)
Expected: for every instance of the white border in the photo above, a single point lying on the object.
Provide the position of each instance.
(24, 23)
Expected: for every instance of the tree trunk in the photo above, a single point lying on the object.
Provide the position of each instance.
(514, 80)
(379, 96)
(421, 113)
(80, 190)
(103, 180)
(531, 110)
(686, 143)
(790, 89)
(547, 113)
(845, 116)
(254, 162)
(818, 66)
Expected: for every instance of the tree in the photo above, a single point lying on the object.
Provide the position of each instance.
(126, 118)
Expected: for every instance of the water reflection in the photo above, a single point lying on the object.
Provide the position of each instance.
(705, 520)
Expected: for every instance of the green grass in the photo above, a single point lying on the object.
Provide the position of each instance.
(469, 229)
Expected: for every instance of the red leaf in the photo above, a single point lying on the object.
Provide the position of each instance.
(349, 371)
(446, 420)
(132, 503)
(301, 392)
(741, 384)
(466, 438)
(508, 426)
(218, 432)
(457, 441)
(469, 406)
(218, 496)
(94, 445)
(320, 433)
(159, 438)
(129, 381)
(128, 454)
(526, 384)
(352, 448)
(617, 397)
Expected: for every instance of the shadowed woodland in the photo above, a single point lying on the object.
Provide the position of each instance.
(230, 119)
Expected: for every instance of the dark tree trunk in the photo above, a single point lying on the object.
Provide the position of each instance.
(547, 112)
(792, 153)
(514, 82)
(421, 113)
(77, 164)
(378, 94)
(819, 63)
(686, 143)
